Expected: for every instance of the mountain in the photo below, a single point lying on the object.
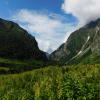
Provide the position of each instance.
(82, 46)
(17, 43)
(49, 50)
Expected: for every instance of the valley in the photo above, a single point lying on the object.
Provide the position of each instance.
(72, 72)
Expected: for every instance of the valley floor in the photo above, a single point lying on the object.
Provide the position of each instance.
(80, 82)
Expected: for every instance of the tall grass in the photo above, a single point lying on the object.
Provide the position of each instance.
(81, 82)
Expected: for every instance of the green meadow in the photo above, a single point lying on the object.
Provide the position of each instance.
(77, 82)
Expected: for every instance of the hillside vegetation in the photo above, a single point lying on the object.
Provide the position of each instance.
(17, 43)
(80, 82)
(82, 46)
(11, 66)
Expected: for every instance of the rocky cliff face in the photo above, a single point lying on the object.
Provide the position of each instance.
(82, 46)
(16, 43)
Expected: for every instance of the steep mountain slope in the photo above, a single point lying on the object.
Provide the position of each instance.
(16, 43)
(82, 46)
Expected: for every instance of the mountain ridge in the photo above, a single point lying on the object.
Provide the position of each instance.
(17, 43)
(82, 43)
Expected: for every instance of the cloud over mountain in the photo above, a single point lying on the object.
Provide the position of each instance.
(84, 10)
(49, 29)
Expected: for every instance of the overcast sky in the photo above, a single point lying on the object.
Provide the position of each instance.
(50, 21)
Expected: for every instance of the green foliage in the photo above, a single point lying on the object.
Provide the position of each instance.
(9, 66)
(80, 82)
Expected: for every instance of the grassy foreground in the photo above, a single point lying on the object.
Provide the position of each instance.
(81, 82)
